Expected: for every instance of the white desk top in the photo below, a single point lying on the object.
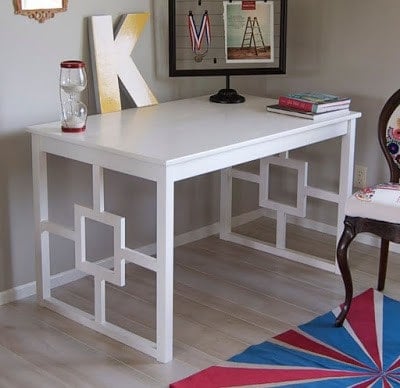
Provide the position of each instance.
(178, 131)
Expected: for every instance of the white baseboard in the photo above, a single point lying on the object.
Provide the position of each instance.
(303, 222)
(17, 293)
(66, 277)
(29, 289)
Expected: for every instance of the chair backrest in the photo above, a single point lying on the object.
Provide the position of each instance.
(389, 134)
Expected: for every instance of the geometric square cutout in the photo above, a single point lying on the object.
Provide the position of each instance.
(301, 167)
(116, 276)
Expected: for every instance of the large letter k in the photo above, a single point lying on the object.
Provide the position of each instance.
(111, 58)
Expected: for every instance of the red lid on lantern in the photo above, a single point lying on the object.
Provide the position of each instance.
(72, 64)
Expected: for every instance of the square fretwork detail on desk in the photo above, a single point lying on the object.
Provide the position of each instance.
(115, 276)
(301, 167)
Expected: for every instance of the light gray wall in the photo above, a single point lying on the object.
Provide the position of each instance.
(29, 70)
(345, 47)
(348, 48)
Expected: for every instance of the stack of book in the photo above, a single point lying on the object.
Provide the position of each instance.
(314, 106)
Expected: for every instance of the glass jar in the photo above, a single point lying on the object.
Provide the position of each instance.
(73, 82)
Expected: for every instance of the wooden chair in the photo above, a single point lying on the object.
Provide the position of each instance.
(375, 209)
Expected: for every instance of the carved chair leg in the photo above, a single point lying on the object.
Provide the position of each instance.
(383, 264)
(343, 245)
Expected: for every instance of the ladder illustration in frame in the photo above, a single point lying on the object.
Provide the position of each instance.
(252, 36)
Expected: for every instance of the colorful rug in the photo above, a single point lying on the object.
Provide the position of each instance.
(365, 352)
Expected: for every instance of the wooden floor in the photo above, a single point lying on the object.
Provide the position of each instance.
(226, 298)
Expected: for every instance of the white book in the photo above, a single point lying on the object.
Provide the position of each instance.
(307, 115)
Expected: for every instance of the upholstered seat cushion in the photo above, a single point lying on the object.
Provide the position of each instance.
(379, 202)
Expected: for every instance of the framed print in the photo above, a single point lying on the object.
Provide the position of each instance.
(227, 37)
(249, 32)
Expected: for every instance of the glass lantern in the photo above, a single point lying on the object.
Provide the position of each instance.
(73, 82)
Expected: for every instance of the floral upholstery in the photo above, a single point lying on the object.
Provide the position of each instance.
(380, 202)
(393, 141)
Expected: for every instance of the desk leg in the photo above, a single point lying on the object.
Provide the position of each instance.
(165, 267)
(225, 203)
(346, 177)
(41, 213)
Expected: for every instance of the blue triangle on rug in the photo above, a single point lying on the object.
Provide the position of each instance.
(365, 352)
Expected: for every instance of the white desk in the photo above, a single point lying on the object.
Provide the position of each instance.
(167, 143)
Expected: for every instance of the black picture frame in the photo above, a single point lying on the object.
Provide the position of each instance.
(228, 70)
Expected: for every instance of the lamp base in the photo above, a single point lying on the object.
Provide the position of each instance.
(227, 96)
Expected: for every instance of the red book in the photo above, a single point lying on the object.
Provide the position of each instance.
(314, 102)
